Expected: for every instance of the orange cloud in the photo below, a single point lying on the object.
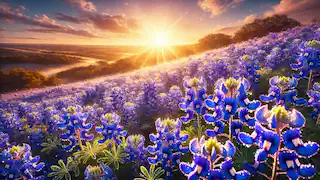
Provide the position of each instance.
(303, 10)
(217, 7)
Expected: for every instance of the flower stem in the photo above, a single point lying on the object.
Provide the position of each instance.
(199, 126)
(230, 130)
(275, 161)
(310, 80)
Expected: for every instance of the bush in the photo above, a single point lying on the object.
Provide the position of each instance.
(212, 41)
(19, 78)
(262, 27)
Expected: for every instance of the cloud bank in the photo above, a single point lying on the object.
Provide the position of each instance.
(303, 10)
(43, 21)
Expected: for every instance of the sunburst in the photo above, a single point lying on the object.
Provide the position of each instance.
(158, 44)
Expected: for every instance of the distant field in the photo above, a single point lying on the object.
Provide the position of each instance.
(107, 53)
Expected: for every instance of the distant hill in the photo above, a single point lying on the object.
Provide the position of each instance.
(231, 30)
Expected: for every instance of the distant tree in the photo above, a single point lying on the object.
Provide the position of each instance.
(315, 20)
(262, 27)
(19, 78)
(212, 41)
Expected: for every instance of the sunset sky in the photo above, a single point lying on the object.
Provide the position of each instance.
(135, 22)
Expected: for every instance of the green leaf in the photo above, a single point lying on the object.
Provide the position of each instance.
(53, 174)
(67, 176)
(59, 177)
(152, 167)
(76, 171)
(116, 165)
(144, 171)
(56, 168)
(61, 163)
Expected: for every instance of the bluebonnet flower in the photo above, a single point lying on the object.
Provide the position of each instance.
(231, 97)
(101, 172)
(76, 130)
(174, 97)
(314, 101)
(193, 103)
(282, 91)
(308, 59)
(136, 151)
(163, 104)
(9, 123)
(249, 68)
(207, 157)
(17, 162)
(168, 145)
(111, 129)
(289, 162)
(50, 119)
(4, 140)
(129, 113)
(148, 101)
(117, 99)
(275, 58)
(271, 140)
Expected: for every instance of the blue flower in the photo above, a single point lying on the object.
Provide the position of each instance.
(229, 172)
(76, 129)
(199, 168)
(279, 117)
(282, 90)
(289, 162)
(292, 140)
(111, 129)
(101, 172)
(314, 100)
(19, 163)
(167, 147)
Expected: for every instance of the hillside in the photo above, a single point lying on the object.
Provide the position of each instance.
(227, 92)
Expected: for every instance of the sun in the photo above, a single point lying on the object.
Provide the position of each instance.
(160, 39)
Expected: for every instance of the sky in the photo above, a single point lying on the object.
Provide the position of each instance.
(136, 22)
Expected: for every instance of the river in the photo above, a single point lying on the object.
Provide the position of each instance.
(51, 69)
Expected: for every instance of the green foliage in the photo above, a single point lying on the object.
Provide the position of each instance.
(153, 173)
(114, 156)
(193, 132)
(89, 151)
(19, 78)
(63, 170)
(52, 144)
(212, 41)
(262, 27)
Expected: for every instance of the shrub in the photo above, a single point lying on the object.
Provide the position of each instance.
(212, 41)
(19, 78)
(261, 27)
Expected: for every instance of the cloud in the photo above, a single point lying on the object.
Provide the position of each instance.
(42, 21)
(113, 23)
(303, 10)
(250, 18)
(26, 38)
(230, 30)
(68, 30)
(72, 19)
(83, 5)
(2, 29)
(217, 7)
(102, 21)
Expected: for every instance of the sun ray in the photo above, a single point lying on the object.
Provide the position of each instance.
(144, 51)
(171, 51)
(146, 59)
(163, 56)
